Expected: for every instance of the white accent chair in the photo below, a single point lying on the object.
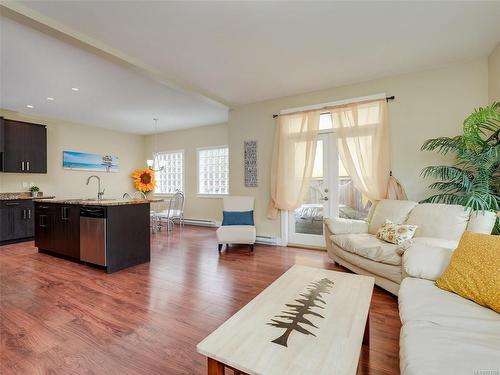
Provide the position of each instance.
(237, 234)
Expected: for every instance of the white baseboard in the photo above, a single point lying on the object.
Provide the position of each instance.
(201, 222)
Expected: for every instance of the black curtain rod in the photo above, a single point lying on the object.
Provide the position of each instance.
(387, 98)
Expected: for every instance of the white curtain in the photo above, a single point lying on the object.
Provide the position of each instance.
(363, 143)
(293, 160)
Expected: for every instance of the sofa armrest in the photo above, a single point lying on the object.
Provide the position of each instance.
(345, 226)
(426, 262)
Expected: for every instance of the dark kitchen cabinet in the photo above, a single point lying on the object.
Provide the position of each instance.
(2, 140)
(16, 220)
(67, 230)
(24, 147)
(57, 228)
(44, 225)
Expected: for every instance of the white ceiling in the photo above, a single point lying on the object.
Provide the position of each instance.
(35, 66)
(246, 51)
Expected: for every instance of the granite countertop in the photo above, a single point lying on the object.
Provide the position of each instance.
(102, 202)
(22, 196)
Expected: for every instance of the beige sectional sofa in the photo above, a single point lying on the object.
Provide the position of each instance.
(353, 244)
(442, 333)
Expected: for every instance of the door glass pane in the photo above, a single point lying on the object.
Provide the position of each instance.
(309, 216)
(352, 205)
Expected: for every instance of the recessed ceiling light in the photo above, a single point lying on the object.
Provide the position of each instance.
(29, 106)
(75, 89)
(50, 98)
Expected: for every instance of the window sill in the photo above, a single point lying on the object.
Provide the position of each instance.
(212, 196)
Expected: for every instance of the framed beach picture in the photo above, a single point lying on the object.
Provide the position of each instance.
(83, 161)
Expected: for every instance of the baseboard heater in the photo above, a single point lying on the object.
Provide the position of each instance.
(201, 222)
(267, 240)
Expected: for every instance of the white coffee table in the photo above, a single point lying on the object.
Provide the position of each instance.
(268, 337)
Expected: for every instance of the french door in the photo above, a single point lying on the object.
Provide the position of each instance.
(305, 224)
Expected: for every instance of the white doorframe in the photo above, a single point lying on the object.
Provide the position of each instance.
(330, 208)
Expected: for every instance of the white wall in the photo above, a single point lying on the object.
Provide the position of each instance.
(63, 183)
(428, 104)
(190, 140)
(494, 75)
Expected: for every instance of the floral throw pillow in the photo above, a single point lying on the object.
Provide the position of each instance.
(396, 233)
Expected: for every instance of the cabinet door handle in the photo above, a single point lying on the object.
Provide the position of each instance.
(42, 221)
(28, 165)
(12, 204)
(24, 214)
(64, 213)
(22, 165)
(43, 207)
(29, 213)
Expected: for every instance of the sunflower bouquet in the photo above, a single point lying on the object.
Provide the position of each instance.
(144, 180)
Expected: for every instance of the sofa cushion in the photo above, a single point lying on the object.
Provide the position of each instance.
(393, 210)
(436, 242)
(423, 300)
(428, 241)
(385, 271)
(368, 246)
(429, 349)
(244, 234)
(426, 262)
(444, 333)
(481, 222)
(338, 225)
(439, 220)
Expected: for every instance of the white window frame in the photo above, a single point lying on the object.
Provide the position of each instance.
(183, 170)
(208, 195)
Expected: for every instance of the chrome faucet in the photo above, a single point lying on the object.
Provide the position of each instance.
(99, 192)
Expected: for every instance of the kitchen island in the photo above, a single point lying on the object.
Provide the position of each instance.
(109, 234)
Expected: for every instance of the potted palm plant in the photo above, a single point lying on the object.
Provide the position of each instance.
(473, 180)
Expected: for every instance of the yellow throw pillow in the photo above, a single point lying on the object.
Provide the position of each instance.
(474, 270)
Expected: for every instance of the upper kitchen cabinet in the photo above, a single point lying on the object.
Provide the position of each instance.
(24, 147)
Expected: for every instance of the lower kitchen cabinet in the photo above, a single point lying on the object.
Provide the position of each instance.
(44, 225)
(57, 229)
(67, 224)
(16, 220)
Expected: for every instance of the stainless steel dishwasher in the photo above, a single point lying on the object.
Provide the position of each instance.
(93, 235)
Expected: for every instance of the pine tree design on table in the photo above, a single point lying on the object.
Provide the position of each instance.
(297, 312)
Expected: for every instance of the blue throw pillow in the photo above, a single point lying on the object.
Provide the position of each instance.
(237, 218)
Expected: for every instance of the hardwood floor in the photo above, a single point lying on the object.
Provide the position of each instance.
(59, 317)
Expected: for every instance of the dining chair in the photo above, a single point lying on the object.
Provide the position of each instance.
(175, 211)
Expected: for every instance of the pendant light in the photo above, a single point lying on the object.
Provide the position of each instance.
(150, 162)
